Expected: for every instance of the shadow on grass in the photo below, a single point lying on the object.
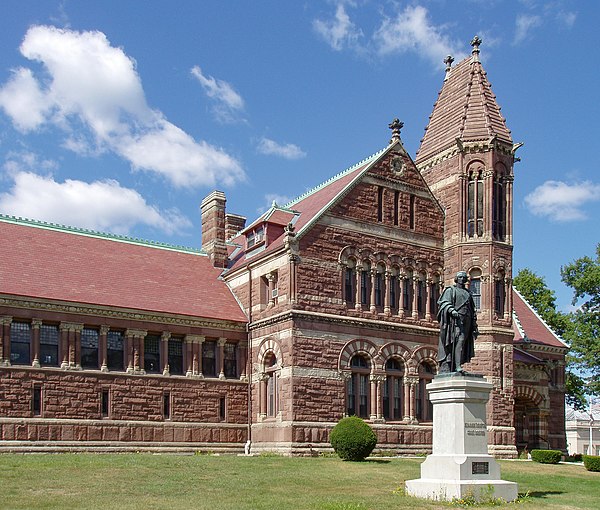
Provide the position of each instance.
(541, 494)
(379, 461)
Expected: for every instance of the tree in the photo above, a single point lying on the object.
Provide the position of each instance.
(583, 276)
(543, 300)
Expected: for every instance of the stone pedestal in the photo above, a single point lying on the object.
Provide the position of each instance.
(460, 465)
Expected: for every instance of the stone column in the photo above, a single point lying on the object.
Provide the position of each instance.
(401, 279)
(507, 298)
(35, 342)
(357, 282)
(201, 340)
(293, 262)
(379, 381)
(406, 400)
(415, 308)
(373, 395)
(509, 208)
(428, 284)
(64, 345)
(128, 352)
(271, 280)
(102, 348)
(462, 206)
(5, 340)
(345, 377)
(488, 193)
(372, 307)
(243, 351)
(387, 310)
(164, 351)
(188, 348)
(221, 344)
(413, 381)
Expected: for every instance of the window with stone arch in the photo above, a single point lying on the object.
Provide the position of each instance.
(499, 294)
(424, 409)
(271, 386)
(358, 386)
(365, 283)
(394, 290)
(475, 202)
(499, 203)
(350, 281)
(407, 291)
(434, 294)
(379, 285)
(421, 293)
(475, 287)
(391, 394)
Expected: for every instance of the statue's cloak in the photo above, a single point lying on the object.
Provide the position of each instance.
(454, 298)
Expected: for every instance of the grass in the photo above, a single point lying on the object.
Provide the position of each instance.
(145, 481)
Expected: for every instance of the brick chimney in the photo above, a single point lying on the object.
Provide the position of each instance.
(233, 224)
(213, 228)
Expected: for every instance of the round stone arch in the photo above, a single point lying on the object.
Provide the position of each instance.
(423, 353)
(347, 253)
(528, 393)
(477, 165)
(269, 345)
(354, 347)
(394, 350)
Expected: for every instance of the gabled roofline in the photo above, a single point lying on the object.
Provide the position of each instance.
(16, 220)
(520, 328)
(368, 162)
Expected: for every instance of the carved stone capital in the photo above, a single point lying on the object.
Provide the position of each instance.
(71, 326)
(195, 339)
(36, 323)
(166, 335)
(136, 333)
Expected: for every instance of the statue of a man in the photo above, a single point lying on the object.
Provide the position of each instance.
(458, 326)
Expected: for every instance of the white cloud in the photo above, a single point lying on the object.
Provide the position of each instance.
(95, 87)
(340, 31)
(23, 101)
(524, 25)
(228, 101)
(24, 161)
(412, 30)
(567, 18)
(99, 205)
(287, 151)
(562, 202)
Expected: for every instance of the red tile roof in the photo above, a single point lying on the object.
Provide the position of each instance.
(528, 326)
(49, 263)
(466, 108)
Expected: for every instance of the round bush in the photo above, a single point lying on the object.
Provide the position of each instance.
(352, 439)
(546, 456)
(591, 462)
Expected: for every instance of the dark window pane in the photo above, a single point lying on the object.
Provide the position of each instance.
(230, 360)
(20, 343)
(209, 358)
(37, 401)
(152, 354)
(114, 350)
(176, 356)
(89, 348)
(104, 404)
(49, 345)
(167, 406)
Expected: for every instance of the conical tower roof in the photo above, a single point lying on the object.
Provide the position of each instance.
(466, 109)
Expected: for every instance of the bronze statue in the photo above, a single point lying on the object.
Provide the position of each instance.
(458, 326)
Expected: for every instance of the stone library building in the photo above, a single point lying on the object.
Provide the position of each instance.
(278, 327)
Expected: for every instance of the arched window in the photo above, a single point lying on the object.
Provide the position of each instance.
(475, 204)
(350, 282)
(365, 283)
(499, 205)
(379, 285)
(499, 295)
(407, 292)
(394, 289)
(421, 294)
(434, 294)
(272, 385)
(475, 287)
(357, 397)
(392, 390)
(424, 408)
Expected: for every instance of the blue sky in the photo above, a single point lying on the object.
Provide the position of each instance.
(121, 116)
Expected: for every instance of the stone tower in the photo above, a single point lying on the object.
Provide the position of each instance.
(466, 157)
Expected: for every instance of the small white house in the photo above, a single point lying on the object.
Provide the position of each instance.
(581, 427)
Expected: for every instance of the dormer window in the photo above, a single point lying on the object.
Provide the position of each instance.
(255, 237)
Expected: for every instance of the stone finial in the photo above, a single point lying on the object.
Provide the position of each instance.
(476, 42)
(448, 61)
(396, 126)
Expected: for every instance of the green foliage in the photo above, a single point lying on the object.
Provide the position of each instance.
(583, 333)
(546, 456)
(484, 497)
(576, 457)
(591, 462)
(352, 439)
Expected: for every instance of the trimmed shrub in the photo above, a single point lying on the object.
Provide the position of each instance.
(576, 457)
(546, 456)
(352, 439)
(591, 462)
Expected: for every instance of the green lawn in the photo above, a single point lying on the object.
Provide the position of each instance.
(145, 481)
